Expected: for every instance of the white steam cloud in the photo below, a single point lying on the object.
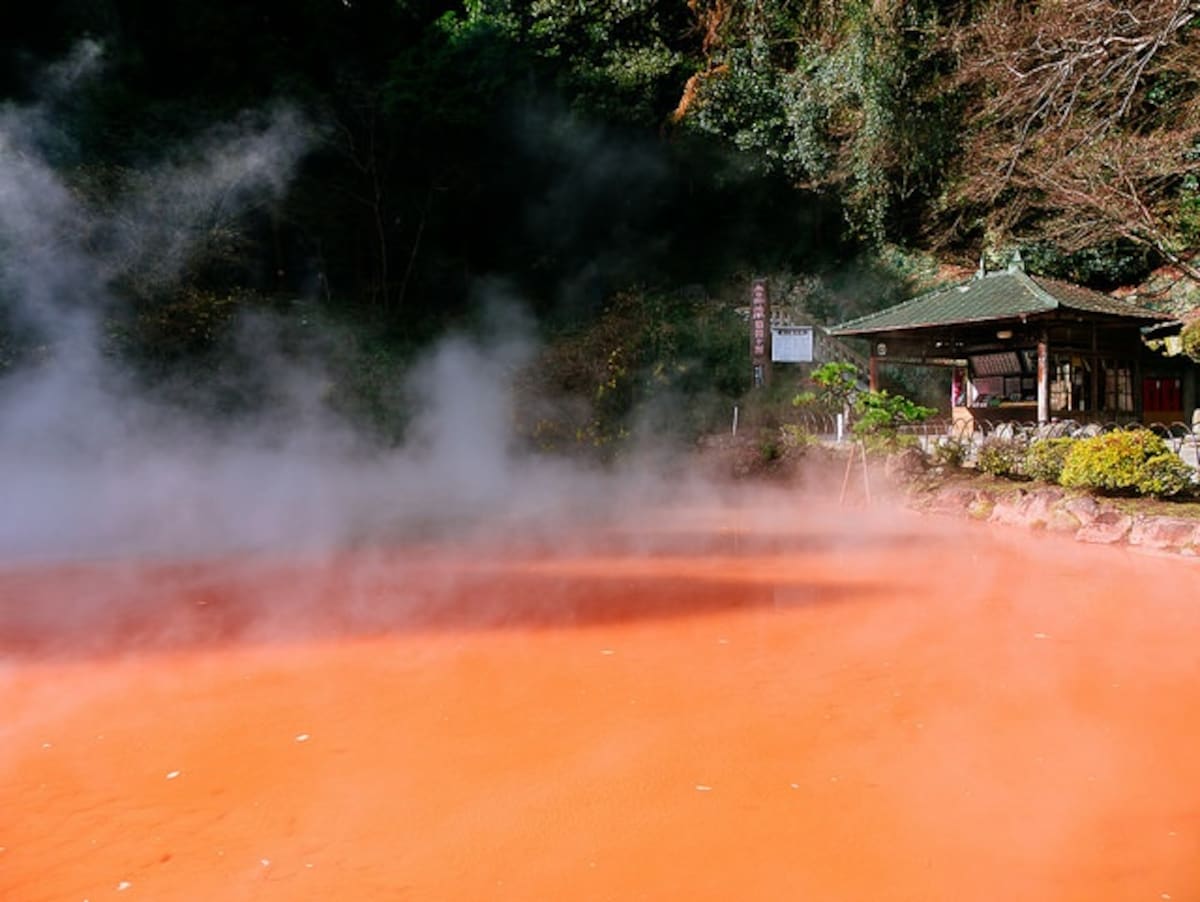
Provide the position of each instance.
(91, 467)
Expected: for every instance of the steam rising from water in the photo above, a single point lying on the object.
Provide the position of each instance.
(90, 467)
(965, 702)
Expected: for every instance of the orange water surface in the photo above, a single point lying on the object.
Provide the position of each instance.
(712, 703)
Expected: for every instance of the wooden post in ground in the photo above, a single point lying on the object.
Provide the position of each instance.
(846, 477)
(866, 473)
(859, 449)
(1043, 379)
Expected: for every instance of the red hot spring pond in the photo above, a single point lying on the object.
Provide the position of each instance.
(758, 699)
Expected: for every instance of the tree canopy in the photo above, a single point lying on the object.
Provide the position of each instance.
(1085, 123)
(574, 149)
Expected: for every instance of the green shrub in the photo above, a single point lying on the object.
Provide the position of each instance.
(948, 452)
(1165, 476)
(837, 384)
(769, 450)
(888, 442)
(795, 436)
(1001, 457)
(880, 416)
(1044, 459)
(1126, 463)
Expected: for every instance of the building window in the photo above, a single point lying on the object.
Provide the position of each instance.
(1118, 386)
(1060, 384)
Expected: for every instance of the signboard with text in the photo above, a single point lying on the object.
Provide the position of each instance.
(792, 344)
(760, 332)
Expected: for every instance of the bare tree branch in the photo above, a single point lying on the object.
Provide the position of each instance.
(1085, 119)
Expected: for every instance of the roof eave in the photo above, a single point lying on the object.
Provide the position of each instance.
(913, 327)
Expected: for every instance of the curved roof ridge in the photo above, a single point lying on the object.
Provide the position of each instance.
(1030, 284)
(996, 295)
(1000, 295)
(1080, 297)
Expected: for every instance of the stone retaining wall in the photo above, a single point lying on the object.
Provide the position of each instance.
(1085, 518)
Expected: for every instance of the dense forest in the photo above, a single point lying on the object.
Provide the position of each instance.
(385, 168)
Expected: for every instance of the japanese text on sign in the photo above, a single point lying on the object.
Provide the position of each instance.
(759, 316)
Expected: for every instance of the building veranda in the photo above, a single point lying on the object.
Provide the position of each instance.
(1023, 348)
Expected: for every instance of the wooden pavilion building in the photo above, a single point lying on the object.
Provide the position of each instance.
(1025, 348)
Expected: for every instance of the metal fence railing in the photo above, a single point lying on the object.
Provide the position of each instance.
(816, 422)
(1183, 439)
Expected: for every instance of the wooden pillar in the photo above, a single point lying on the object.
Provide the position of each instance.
(1043, 379)
(873, 373)
(1139, 407)
(1094, 386)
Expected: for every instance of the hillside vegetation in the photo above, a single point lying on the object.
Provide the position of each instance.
(372, 174)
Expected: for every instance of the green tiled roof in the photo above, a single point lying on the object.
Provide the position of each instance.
(995, 296)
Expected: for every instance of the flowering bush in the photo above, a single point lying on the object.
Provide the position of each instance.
(1044, 458)
(1126, 463)
(1001, 457)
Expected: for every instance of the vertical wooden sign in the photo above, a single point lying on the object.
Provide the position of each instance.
(760, 333)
